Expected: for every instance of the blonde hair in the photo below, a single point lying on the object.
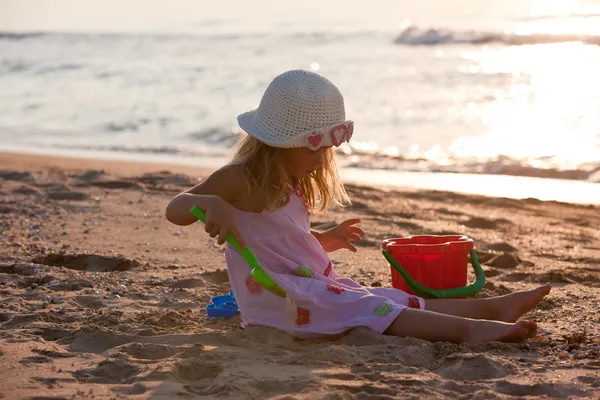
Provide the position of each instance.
(267, 178)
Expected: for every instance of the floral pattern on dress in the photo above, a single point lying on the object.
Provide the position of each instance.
(383, 310)
(304, 272)
(253, 286)
(328, 269)
(302, 316)
(413, 302)
(335, 289)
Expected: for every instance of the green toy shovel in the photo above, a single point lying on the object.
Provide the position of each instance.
(258, 273)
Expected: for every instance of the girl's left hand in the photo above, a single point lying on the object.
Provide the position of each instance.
(341, 236)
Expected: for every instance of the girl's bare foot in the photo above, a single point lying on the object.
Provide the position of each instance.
(509, 308)
(492, 331)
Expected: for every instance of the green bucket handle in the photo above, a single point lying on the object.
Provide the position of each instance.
(452, 293)
(258, 273)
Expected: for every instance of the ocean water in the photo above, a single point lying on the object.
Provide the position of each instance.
(501, 88)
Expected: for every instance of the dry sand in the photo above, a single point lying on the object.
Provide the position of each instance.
(101, 297)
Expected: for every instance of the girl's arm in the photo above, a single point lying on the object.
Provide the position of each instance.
(214, 196)
(178, 210)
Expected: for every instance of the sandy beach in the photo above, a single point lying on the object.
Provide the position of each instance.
(102, 298)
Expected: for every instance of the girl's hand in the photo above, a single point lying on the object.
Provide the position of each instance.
(220, 221)
(341, 236)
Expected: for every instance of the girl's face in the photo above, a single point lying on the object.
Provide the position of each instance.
(301, 161)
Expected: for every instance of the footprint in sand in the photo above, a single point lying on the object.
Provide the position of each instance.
(173, 319)
(473, 367)
(8, 210)
(202, 377)
(136, 388)
(218, 277)
(67, 195)
(193, 369)
(548, 390)
(87, 262)
(35, 360)
(492, 272)
(446, 211)
(109, 371)
(189, 283)
(368, 388)
(53, 353)
(272, 387)
(116, 184)
(92, 302)
(91, 175)
(145, 351)
(50, 382)
(504, 261)
(16, 176)
(23, 269)
(53, 333)
(71, 285)
(515, 277)
(485, 223)
(594, 381)
(19, 321)
(501, 246)
(35, 281)
(95, 341)
(484, 256)
(27, 190)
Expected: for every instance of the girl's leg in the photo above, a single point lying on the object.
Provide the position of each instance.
(436, 327)
(506, 308)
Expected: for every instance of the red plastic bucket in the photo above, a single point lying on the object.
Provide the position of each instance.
(438, 262)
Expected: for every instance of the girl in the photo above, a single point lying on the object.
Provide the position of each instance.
(284, 168)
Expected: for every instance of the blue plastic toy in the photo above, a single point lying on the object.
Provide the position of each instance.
(222, 306)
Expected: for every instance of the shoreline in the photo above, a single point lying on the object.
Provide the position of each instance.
(490, 185)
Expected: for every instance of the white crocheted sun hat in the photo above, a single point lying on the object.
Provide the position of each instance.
(299, 109)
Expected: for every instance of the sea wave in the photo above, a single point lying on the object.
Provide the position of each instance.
(322, 35)
(500, 165)
(348, 158)
(20, 35)
(416, 36)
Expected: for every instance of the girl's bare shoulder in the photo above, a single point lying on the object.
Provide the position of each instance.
(226, 182)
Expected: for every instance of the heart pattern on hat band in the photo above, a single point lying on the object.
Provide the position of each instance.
(341, 133)
(330, 136)
(314, 140)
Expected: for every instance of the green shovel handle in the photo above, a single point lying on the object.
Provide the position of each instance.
(258, 273)
(428, 293)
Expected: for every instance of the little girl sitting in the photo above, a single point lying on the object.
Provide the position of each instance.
(283, 169)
